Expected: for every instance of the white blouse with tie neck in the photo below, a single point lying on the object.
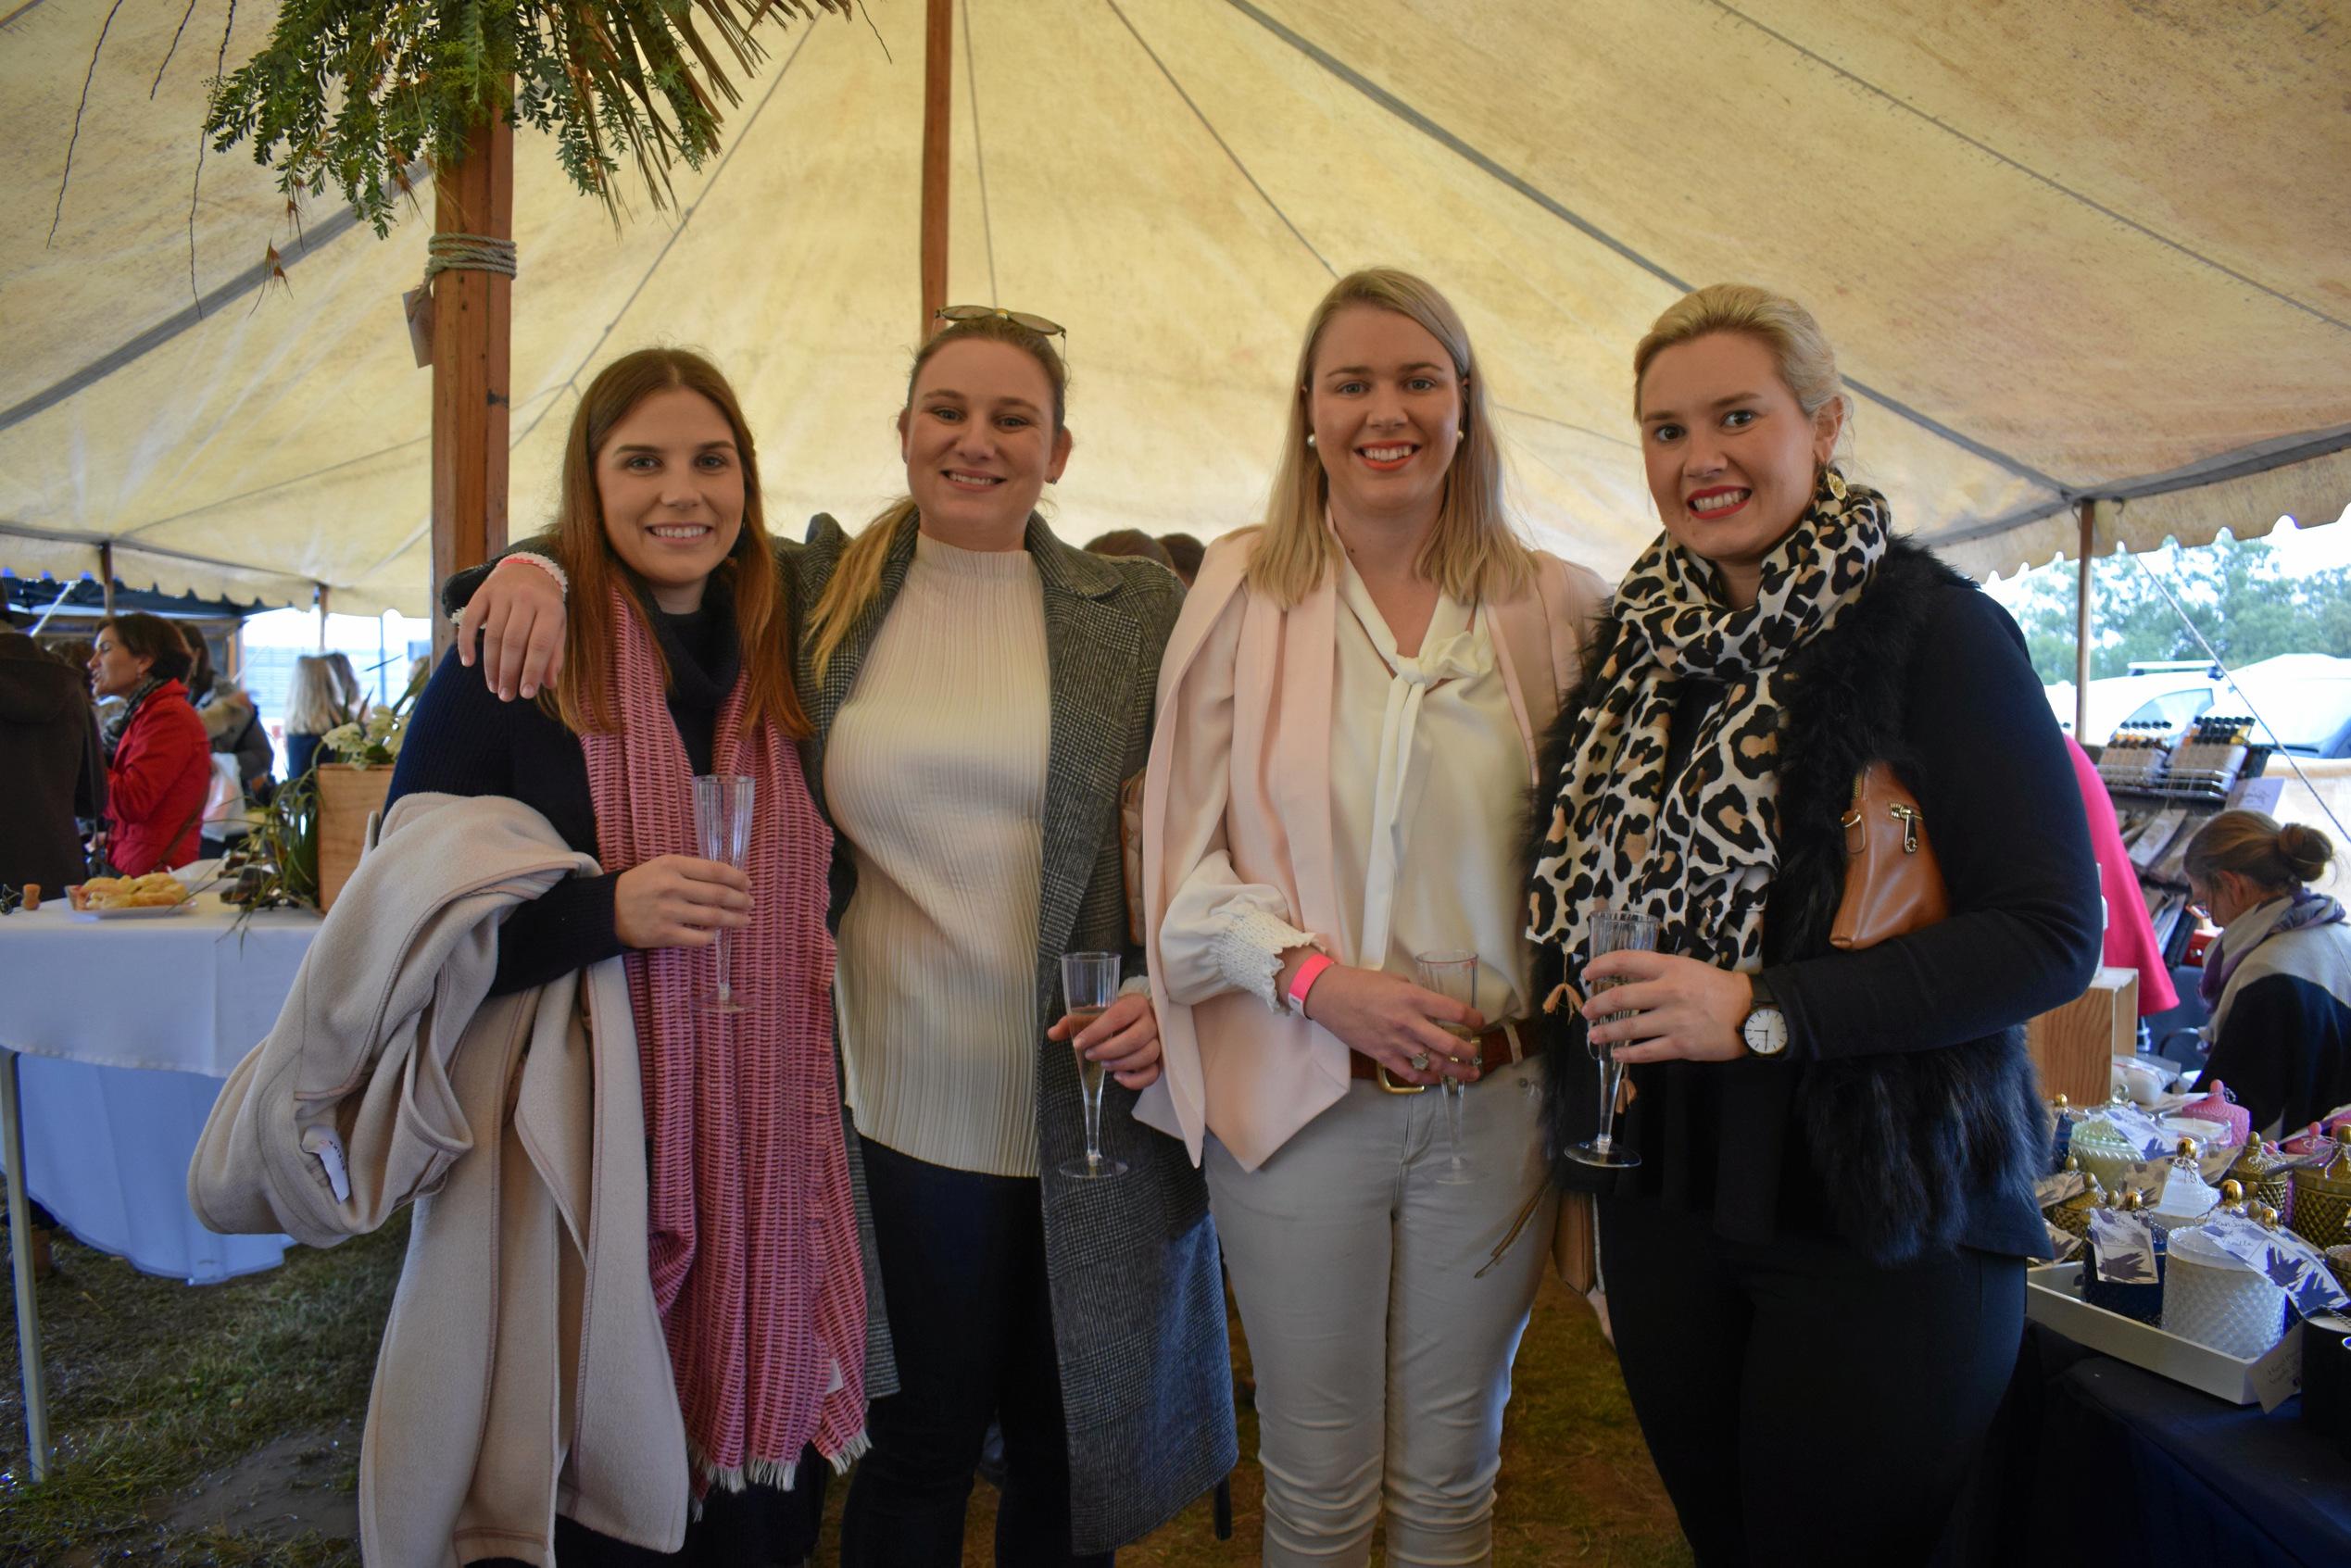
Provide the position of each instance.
(1428, 782)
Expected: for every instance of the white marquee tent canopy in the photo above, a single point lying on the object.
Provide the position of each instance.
(2080, 247)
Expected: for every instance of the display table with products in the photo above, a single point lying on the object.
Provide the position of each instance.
(2095, 1461)
(115, 1038)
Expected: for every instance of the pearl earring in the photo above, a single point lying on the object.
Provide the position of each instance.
(1310, 438)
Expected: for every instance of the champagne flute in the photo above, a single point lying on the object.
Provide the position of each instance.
(1090, 982)
(1613, 930)
(1452, 974)
(722, 827)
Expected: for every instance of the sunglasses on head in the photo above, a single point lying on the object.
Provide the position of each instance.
(1036, 324)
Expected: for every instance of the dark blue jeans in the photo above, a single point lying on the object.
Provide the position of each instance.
(971, 1320)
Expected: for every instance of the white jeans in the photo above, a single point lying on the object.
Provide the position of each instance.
(1382, 1360)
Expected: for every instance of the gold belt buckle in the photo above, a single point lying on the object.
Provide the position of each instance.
(1393, 1088)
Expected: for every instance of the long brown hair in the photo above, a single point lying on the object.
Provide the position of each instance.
(1472, 551)
(857, 577)
(581, 696)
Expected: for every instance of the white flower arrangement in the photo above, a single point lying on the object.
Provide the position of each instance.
(374, 741)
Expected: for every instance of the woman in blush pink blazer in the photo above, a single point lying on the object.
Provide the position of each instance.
(1349, 716)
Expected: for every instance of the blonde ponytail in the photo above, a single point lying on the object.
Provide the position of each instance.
(856, 579)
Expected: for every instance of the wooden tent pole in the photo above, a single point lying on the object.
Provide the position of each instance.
(472, 321)
(105, 575)
(2085, 599)
(938, 102)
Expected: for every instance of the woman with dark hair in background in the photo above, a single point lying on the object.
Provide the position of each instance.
(2279, 980)
(158, 758)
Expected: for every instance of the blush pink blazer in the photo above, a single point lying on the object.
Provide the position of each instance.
(1251, 1076)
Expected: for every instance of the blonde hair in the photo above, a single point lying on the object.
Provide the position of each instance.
(857, 576)
(1807, 362)
(1472, 552)
(312, 704)
(2259, 848)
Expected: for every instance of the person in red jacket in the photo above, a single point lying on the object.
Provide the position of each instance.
(158, 758)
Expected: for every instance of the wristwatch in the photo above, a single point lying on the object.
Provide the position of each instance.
(1766, 1029)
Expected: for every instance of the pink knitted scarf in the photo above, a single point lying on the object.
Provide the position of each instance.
(756, 1264)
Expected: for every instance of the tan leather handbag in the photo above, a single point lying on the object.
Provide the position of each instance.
(1893, 884)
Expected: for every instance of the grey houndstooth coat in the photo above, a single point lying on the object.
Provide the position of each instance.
(1138, 1302)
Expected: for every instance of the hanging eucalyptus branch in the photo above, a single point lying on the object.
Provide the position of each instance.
(352, 92)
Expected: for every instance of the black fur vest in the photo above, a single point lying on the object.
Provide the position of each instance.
(1907, 1144)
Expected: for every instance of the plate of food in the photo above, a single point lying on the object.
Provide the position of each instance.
(151, 897)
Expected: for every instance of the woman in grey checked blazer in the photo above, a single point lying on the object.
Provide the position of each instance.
(979, 691)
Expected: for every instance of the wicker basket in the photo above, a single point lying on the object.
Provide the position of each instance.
(2235, 1312)
(347, 797)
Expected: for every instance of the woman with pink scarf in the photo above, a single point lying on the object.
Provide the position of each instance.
(678, 664)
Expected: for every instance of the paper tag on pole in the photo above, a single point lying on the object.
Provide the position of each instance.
(418, 302)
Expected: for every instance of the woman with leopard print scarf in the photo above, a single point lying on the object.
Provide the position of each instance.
(1816, 1271)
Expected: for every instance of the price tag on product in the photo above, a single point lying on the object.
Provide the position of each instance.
(2276, 1377)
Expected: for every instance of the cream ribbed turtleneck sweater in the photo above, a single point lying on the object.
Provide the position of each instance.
(935, 773)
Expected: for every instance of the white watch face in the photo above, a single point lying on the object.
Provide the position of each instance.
(1766, 1031)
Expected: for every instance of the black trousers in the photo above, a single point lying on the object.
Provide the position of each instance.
(757, 1527)
(1802, 1405)
(971, 1321)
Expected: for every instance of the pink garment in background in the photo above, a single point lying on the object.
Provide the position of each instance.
(2131, 942)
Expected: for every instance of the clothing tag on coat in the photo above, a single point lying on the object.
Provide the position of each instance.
(322, 1143)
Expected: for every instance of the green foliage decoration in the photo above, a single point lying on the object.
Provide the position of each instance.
(354, 94)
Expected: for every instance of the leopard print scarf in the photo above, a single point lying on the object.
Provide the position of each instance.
(1700, 856)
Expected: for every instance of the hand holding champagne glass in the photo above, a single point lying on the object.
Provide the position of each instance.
(1454, 975)
(1613, 930)
(1089, 983)
(722, 805)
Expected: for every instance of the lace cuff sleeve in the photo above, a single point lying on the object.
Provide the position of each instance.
(1248, 948)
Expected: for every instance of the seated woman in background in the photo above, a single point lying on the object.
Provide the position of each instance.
(2279, 980)
(158, 758)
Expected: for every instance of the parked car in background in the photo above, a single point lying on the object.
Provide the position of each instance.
(2305, 698)
(2175, 694)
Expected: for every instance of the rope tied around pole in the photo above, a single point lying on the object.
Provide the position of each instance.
(467, 253)
(450, 253)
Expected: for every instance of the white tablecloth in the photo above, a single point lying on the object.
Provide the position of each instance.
(182, 998)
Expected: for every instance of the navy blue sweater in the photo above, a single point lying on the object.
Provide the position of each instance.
(464, 741)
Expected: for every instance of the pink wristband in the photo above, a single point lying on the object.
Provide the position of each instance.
(1304, 981)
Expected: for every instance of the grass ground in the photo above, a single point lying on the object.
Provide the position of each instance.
(220, 1427)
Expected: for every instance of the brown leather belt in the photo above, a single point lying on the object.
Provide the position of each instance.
(1497, 1048)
